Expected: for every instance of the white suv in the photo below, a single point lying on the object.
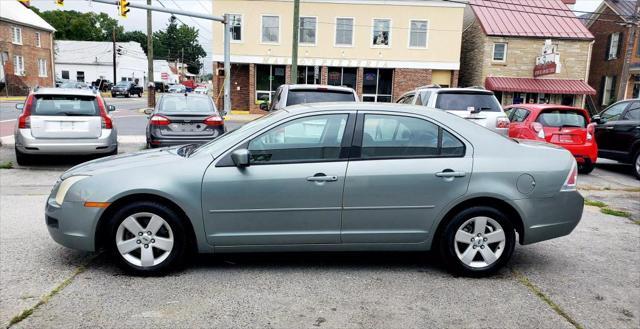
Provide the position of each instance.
(477, 105)
(287, 95)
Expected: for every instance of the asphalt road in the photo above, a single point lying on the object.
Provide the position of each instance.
(590, 278)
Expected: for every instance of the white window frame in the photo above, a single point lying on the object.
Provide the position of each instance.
(353, 34)
(16, 38)
(18, 65)
(426, 38)
(42, 68)
(376, 95)
(612, 51)
(315, 37)
(242, 31)
(493, 52)
(271, 68)
(373, 29)
(262, 41)
(606, 92)
(38, 40)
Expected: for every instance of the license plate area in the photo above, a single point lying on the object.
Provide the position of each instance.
(66, 126)
(186, 127)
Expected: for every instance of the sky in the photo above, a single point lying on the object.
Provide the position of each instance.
(137, 17)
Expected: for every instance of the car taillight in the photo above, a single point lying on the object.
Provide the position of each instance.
(214, 120)
(107, 123)
(502, 122)
(159, 120)
(571, 183)
(591, 128)
(24, 120)
(538, 128)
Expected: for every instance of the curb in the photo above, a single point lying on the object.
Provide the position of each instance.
(15, 98)
(122, 139)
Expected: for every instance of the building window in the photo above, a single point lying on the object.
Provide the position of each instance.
(42, 67)
(309, 75)
(268, 79)
(16, 33)
(236, 27)
(608, 90)
(80, 76)
(308, 28)
(270, 29)
(418, 34)
(38, 41)
(381, 32)
(344, 31)
(377, 85)
(499, 52)
(614, 41)
(65, 75)
(18, 65)
(342, 76)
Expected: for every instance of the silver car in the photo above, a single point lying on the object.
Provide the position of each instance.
(474, 104)
(324, 177)
(288, 95)
(59, 121)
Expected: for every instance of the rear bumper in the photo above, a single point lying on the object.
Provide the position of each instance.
(548, 218)
(158, 141)
(584, 152)
(106, 143)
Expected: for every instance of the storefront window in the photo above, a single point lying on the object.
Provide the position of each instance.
(309, 75)
(268, 79)
(342, 76)
(377, 85)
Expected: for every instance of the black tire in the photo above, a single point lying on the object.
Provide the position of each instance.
(127, 95)
(23, 159)
(447, 245)
(113, 95)
(636, 164)
(586, 168)
(178, 253)
(114, 152)
(139, 95)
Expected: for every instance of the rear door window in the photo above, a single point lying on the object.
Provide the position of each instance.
(562, 118)
(303, 96)
(633, 113)
(519, 115)
(463, 101)
(65, 105)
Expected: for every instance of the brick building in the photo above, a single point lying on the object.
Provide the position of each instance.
(382, 49)
(615, 63)
(528, 52)
(26, 49)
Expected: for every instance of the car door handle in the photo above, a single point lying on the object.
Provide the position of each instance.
(322, 178)
(450, 173)
(609, 127)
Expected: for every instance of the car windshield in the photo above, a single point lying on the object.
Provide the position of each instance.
(173, 104)
(123, 84)
(65, 105)
(562, 118)
(462, 102)
(303, 96)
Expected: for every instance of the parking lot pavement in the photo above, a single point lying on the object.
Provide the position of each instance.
(613, 184)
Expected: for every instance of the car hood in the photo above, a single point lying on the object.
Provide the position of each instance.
(147, 158)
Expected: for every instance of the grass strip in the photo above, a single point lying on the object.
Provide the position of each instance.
(595, 203)
(527, 283)
(614, 212)
(6, 165)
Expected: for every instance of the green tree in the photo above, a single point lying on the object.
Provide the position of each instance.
(74, 25)
(175, 39)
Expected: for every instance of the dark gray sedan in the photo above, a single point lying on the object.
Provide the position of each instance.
(324, 177)
(183, 119)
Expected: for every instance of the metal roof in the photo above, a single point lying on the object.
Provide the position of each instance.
(624, 8)
(531, 85)
(529, 18)
(15, 12)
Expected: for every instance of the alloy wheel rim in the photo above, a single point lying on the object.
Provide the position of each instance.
(638, 163)
(144, 239)
(479, 242)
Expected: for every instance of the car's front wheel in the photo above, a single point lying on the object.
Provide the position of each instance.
(636, 165)
(147, 238)
(477, 241)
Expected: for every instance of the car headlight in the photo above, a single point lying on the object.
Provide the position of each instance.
(65, 186)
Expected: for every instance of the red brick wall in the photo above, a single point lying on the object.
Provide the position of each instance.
(239, 87)
(454, 79)
(19, 84)
(405, 80)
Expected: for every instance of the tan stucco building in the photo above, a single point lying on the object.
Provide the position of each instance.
(380, 48)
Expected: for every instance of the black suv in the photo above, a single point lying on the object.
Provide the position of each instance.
(618, 133)
(126, 88)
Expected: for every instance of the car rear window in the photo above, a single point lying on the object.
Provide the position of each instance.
(562, 118)
(304, 96)
(185, 104)
(65, 105)
(462, 102)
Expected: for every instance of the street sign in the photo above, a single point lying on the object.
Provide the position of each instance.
(164, 76)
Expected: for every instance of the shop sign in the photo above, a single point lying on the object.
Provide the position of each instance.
(549, 60)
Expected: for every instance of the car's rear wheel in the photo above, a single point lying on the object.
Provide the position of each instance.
(636, 164)
(586, 168)
(147, 238)
(23, 159)
(477, 241)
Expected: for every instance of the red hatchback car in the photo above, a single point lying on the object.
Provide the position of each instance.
(565, 126)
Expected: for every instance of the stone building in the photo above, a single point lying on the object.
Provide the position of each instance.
(26, 50)
(382, 49)
(526, 52)
(615, 63)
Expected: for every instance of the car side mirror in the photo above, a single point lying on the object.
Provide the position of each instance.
(20, 107)
(111, 108)
(240, 157)
(148, 111)
(264, 106)
(596, 118)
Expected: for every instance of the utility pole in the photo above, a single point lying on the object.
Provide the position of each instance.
(114, 55)
(227, 65)
(151, 92)
(294, 47)
(182, 62)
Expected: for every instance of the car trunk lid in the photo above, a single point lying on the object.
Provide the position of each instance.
(187, 125)
(65, 116)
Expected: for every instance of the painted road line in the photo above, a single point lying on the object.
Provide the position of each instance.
(8, 120)
(123, 139)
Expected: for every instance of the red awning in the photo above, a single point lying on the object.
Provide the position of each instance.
(547, 86)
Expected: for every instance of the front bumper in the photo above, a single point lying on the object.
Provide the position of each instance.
(548, 218)
(106, 143)
(71, 224)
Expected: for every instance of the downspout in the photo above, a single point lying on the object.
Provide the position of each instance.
(586, 74)
(53, 65)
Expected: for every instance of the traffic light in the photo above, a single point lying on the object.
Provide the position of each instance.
(60, 3)
(123, 6)
(26, 3)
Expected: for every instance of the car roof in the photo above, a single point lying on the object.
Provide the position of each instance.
(542, 107)
(186, 95)
(327, 87)
(365, 106)
(65, 91)
(469, 90)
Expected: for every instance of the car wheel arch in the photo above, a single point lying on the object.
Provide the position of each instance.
(103, 222)
(491, 201)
